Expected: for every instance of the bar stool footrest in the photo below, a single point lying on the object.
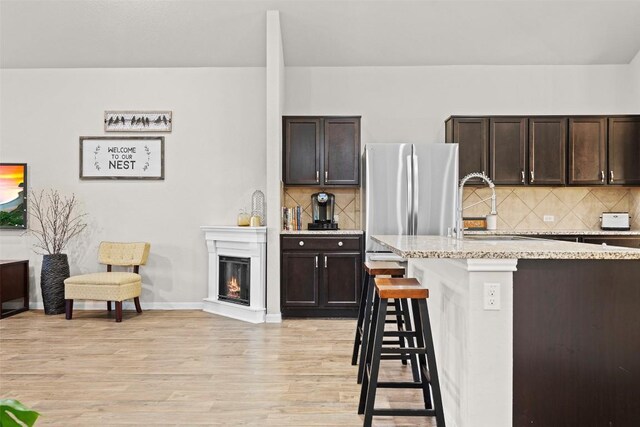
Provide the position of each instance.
(395, 357)
(399, 384)
(407, 334)
(405, 412)
(403, 350)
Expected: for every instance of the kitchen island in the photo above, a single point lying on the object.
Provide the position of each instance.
(557, 342)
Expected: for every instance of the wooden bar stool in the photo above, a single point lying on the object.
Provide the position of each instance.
(403, 289)
(372, 269)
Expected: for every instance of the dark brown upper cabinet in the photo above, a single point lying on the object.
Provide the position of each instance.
(508, 149)
(321, 151)
(547, 150)
(472, 136)
(302, 150)
(587, 151)
(624, 150)
(341, 151)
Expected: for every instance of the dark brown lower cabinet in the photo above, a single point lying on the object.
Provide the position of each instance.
(341, 273)
(627, 242)
(320, 275)
(576, 343)
(300, 279)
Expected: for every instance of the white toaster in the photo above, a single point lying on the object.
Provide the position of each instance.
(614, 221)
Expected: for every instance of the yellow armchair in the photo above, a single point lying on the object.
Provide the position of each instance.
(110, 286)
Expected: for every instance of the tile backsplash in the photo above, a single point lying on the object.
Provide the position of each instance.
(573, 208)
(347, 204)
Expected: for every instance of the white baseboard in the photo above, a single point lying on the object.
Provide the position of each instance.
(128, 305)
(273, 318)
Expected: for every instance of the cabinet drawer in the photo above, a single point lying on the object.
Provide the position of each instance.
(317, 243)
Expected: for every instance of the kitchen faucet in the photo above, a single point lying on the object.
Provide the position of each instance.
(463, 181)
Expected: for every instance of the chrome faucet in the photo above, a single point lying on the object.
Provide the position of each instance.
(463, 181)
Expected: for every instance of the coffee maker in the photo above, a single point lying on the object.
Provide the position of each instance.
(323, 205)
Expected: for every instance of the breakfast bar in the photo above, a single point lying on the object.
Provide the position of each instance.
(531, 331)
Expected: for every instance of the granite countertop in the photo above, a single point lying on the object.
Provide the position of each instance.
(521, 248)
(553, 232)
(323, 232)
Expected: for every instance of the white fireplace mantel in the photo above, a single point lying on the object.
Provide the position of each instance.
(245, 242)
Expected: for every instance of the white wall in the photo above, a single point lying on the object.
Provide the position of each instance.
(410, 104)
(635, 67)
(214, 160)
(274, 105)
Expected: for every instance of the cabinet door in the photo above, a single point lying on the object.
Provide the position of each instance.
(341, 279)
(341, 151)
(300, 279)
(624, 150)
(472, 136)
(547, 148)
(587, 151)
(301, 163)
(508, 148)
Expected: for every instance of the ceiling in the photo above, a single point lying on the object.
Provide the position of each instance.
(211, 33)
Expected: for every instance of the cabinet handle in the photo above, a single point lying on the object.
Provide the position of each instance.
(326, 176)
(522, 173)
(301, 243)
(601, 176)
(316, 261)
(340, 243)
(325, 261)
(531, 176)
(611, 175)
(317, 176)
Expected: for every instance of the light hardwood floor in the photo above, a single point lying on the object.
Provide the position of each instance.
(188, 368)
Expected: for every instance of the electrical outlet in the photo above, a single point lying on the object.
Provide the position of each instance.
(492, 296)
(549, 218)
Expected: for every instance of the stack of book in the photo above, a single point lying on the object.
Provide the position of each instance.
(292, 218)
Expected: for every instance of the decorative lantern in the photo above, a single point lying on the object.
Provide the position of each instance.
(257, 205)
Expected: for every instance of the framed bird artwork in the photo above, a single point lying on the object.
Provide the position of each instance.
(138, 121)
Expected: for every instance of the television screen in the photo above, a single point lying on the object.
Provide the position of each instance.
(13, 195)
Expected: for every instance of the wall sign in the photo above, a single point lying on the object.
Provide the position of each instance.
(127, 157)
(138, 121)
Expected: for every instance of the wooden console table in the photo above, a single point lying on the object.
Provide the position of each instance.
(14, 285)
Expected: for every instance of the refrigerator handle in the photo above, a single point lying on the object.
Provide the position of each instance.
(410, 194)
(415, 205)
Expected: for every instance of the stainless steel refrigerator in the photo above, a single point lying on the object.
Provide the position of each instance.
(408, 189)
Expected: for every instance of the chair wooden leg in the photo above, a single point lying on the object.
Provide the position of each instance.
(68, 308)
(108, 305)
(136, 300)
(118, 311)
(366, 327)
(363, 300)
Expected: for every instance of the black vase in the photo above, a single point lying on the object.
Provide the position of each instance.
(55, 268)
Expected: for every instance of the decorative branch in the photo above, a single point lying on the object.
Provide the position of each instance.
(55, 220)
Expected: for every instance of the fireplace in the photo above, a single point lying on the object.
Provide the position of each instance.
(237, 282)
(234, 280)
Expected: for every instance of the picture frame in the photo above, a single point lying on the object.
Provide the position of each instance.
(122, 157)
(13, 196)
(138, 121)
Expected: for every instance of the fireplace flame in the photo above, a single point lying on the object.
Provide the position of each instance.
(233, 287)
